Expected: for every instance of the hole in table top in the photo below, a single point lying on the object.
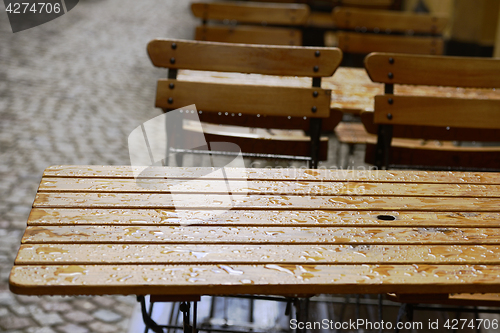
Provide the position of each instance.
(386, 217)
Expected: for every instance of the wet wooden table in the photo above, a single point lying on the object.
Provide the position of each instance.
(180, 231)
(352, 89)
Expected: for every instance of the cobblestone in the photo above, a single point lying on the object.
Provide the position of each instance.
(71, 90)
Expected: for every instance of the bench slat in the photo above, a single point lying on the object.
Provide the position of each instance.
(249, 35)
(393, 176)
(250, 279)
(434, 71)
(318, 218)
(49, 184)
(245, 58)
(269, 13)
(209, 201)
(119, 254)
(247, 99)
(438, 111)
(257, 235)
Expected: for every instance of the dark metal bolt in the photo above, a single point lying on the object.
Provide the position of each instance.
(172, 60)
(174, 46)
(391, 60)
(170, 100)
(316, 68)
(389, 116)
(315, 93)
(314, 109)
(390, 101)
(390, 75)
(171, 86)
(317, 53)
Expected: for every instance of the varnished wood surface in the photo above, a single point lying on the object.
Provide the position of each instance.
(97, 230)
(352, 89)
(352, 18)
(354, 42)
(244, 58)
(249, 35)
(248, 12)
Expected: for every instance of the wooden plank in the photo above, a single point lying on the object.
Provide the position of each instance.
(281, 202)
(393, 176)
(439, 157)
(249, 35)
(248, 12)
(262, 218)
(108, 185)
(250, 279)
(437, 111)
(243, 58)
(434, 70)
(353, 42)
(247, 99)
(387, 20)
(190, 234)
(444, 133)
(271, 122)
(320, 20)
(119, 254)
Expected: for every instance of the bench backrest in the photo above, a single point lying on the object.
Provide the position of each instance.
(278, 103)
(250, 22)
(434, 118)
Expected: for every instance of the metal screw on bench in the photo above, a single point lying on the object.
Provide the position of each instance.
(314, 109)
(389, 116)
(390, 101)
(315, 93)
(171, 86)
(174, 46)
(390, 75)
(317, 53)
(391, 60)
(170, 100)
(316, 68)
(172, 60)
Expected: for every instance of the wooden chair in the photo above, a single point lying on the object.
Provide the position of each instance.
(364, 31)
(250, 23)
(252, 105)
(435, 118)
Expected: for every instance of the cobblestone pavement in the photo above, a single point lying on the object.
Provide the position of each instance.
(71, 91)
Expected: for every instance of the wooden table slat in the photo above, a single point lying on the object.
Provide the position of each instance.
(126, 254)
(258, 235)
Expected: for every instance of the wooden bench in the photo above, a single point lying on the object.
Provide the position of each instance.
(250, 23)
(364, 31)
(252, 105)
(435, 118)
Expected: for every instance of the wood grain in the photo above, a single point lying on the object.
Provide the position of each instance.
(437, 111)
(247, 99)
(249, 279)
(243, 58)
(393, 176)
(249, 35)
(351, 18)
(434, 70)
(248, 12)
(353, 42)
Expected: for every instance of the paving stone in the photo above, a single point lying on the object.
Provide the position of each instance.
(57, 306)
(107, 315)
(84, 304)
(40, 330)
(71, 328)
(14, 322)
(28, 299)
(78, 317)
(46, 318)
(99, 327)
(4, 312)
(6, 297)
(104, 301)
(20, 310)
